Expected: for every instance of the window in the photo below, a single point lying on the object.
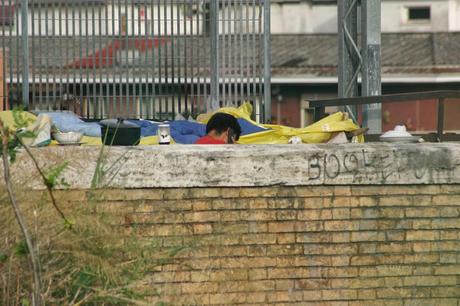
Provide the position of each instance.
(419, 13)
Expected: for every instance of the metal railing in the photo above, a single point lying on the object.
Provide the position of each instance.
(149, 59)
(440, 96)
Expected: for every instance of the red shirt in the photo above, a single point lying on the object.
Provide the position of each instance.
(209, 140)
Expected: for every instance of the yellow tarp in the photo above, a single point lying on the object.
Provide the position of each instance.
(9, 121)
(317, 132)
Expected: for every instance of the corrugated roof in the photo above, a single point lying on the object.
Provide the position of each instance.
(402, 53)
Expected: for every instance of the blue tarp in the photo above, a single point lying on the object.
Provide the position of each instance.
(182, 131)
(186, 132)
(67, 121)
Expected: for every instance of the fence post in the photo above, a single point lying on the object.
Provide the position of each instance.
(214, 31)
(25, 53)
(371, 83)
(349, 54)
(2, 83)
(267, 64)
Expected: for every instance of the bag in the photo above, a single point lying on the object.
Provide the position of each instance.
(118, 132)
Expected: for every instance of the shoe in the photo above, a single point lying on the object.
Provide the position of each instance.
(357, 132)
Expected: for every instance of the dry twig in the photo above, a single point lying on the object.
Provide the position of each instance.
(45, 181)
(36, 289)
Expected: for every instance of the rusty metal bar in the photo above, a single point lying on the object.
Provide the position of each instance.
(440, 131)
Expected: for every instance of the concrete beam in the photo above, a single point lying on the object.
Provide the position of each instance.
(249, 165)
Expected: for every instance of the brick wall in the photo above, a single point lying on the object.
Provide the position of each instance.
(317, 245)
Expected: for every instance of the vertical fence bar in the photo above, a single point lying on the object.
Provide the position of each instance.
(267, 64)
(40, 55)
(224, 49)
(126, 63)
(242, 51)
(25, 53)
(166, 70)
(33, 52)
(60, 55)
(57, 56)
(53, 43)
(83, 98)
(214, 36)
(74, 44)
(131, 47)
(253, 53)
(234, 61)
(107, 42)
(11, 57)
(246, 54)
(65, 37)
(178, 87)
(112, 45)
(231, 47)
(132, 40)
(118, 82)
(440, 121)
(46, 55)
(100, 66)
(199, 36)
(160, 45)
(185, 90)
(138, 62)
(172, 87)
(124, 60)
(86, 66)
(144, 88)
(3, 60)
(17, 57)
(193, 43)
(132, 63)
(260, 53)
(155, 43)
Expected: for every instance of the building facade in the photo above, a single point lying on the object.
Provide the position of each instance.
(320, 16)
(419, 53)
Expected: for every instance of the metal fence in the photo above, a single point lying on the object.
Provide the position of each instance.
(149, 59)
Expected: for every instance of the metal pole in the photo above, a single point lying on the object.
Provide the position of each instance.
(214, 38)
(349, 55)
(440, 131)
(25, 53)
(267, 64)
(371, 81)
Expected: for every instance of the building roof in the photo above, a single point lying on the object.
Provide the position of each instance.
(402, 54)
(303, 58)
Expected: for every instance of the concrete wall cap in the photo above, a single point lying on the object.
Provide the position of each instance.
(248, 165)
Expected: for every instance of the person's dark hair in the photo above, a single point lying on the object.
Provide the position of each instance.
(221, 122)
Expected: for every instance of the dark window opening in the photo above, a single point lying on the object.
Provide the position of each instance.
(419, 13)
